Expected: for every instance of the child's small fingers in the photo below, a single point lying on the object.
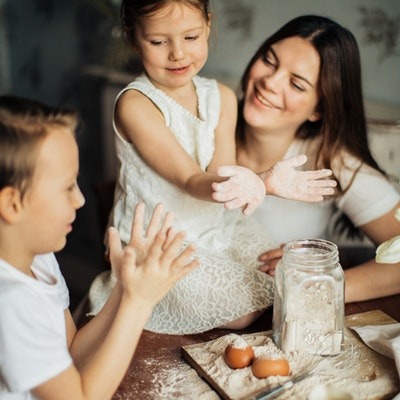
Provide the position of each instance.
(129, 256)
(156, 248)
(224, 196)
(228, 170)
(169, 237)
(234, 203)
(167, 222)
(115, 246)
(187, 252)
(174, 256)
(171, 249)
(155, 220)
(138, 217)
(190, 266)
(296, 161)
(181, 261)
(250, 208)
(311, 198)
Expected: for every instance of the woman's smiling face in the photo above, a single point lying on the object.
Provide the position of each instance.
(282, 89)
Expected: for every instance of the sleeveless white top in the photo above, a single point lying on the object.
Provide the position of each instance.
(227, 284)
(205, 222)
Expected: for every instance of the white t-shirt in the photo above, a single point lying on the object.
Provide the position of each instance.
(369, 197)
(33, 342)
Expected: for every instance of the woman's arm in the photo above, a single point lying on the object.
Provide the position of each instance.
(371, 279)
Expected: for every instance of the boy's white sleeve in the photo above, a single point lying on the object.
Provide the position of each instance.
(33, 346)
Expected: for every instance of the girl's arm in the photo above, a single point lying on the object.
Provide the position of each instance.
(225, 147)
(141, 123)
(114, 333)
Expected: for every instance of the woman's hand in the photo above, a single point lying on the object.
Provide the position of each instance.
(244, 188)
(283, 180)
(270, 259)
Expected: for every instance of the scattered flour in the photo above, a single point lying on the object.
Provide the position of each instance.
(359, 371)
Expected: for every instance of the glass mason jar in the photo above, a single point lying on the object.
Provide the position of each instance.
(308, 312)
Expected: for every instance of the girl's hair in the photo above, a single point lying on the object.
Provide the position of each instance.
(132, 11)
(24, 124)
(342, 125)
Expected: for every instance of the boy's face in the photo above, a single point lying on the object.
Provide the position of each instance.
(51, 202)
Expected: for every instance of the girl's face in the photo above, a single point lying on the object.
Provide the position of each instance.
(50, 204)
(281, 93)
(173, 45)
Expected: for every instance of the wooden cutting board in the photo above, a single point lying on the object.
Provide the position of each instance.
(372, 373)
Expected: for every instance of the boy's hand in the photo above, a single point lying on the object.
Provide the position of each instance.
(283, 180)
(162, 262)
(243, 189)
(141, 241)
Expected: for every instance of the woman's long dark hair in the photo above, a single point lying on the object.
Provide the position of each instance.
(342, 125)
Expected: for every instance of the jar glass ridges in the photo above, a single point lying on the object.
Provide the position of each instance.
(309, 298)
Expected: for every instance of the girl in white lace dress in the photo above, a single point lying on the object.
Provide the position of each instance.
(173, 130)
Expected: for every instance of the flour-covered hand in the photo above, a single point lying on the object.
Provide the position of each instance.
(283, 180)
(243, 189)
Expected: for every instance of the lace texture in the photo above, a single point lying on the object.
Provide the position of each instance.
(227, 285)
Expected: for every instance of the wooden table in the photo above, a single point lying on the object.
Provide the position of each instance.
(158, 354)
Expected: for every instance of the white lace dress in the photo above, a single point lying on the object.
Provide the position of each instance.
(227, 284)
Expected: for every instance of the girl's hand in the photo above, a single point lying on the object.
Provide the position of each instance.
(243, 189)
(270, 259)
(284, 181)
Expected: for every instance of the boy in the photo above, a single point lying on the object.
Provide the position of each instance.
(42, 355)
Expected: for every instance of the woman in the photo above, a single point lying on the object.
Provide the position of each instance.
(302, 94)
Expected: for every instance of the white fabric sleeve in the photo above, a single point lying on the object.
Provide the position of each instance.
(47, 269)
(369, 197)
(33, 349)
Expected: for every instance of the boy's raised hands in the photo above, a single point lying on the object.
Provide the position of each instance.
(153, 261)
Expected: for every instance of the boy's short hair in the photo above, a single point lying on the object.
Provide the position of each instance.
(24, 123)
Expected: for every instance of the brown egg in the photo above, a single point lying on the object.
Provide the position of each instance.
(238, 357)
(264, 367)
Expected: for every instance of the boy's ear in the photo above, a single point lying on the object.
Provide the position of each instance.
(10, 204)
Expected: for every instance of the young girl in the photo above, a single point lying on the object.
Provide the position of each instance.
(173, 130)
(42, 354)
